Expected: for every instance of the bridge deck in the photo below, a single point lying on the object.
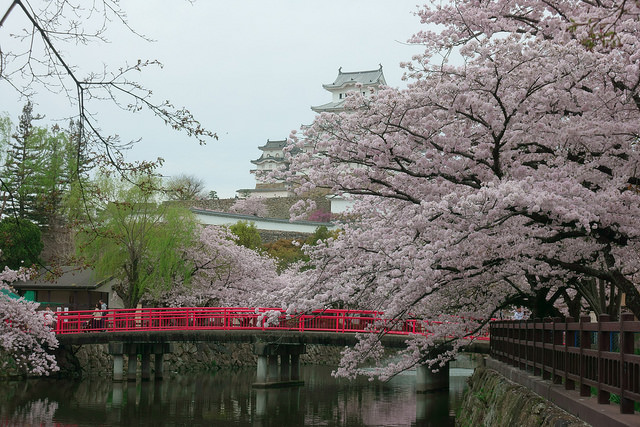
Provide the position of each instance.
(235, 324)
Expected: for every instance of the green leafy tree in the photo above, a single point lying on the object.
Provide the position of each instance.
(23, 164)
(20, 243)
(247, 234)
(321, 234)
(286, 252)
(38, 169)
(137, 240)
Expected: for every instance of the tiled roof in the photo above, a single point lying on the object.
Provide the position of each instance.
(70, 278)
(274, 145)
(329, 106)
(372, 77)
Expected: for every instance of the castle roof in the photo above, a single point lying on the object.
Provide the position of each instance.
(274, 145)
(372, 77)
(271, 146)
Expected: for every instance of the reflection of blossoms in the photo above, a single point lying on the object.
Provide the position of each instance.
(36, 413)
(24, 337)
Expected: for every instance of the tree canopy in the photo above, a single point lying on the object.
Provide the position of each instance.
(136, 239)
(20, 243)
(508, 177)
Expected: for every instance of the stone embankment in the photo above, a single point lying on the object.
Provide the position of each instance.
(493, 400)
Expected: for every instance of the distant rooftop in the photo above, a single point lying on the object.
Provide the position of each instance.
(372, 77)
(274, 145)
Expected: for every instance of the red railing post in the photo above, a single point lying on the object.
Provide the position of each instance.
(626, 348)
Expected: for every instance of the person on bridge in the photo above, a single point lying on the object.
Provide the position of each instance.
(97, 317)
(518, 314)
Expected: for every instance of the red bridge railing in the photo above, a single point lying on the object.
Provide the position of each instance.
(228, 318)
(596, 356)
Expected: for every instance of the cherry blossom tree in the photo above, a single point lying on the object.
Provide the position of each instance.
(25, 339)
(250, 206)
(223, 273)
(506, 178)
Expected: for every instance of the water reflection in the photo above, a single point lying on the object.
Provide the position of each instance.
(227, 399)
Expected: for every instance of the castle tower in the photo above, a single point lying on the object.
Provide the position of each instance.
(368, 82)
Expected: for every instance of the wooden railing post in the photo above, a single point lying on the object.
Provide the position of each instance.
(626, 348)
(585, 343)
(556, 352)
(604, 344)
(537, 338)
(546, 363)
(569, 339)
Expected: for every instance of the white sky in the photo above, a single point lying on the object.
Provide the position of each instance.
(247, 69)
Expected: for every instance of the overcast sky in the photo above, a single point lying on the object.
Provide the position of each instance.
(249, 70)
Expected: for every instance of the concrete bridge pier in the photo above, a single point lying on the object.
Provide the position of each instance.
(427, 380)
(132, 368)
(270, 373)
(132, 350)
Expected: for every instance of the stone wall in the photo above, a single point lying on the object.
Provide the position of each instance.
(492, 400)
(94, 359)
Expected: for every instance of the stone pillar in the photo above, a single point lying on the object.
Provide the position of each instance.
(426, 380)
(269, 374)
(146, 366)
(272, 371)
(261, 376)
(118, 367)
(133, 367)
(295, 367)
(159, 366)
(284, 367)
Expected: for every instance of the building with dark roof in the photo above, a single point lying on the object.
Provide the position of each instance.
(71, 287)
(367, 82)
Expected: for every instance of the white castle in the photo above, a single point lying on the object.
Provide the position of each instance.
(272, 157)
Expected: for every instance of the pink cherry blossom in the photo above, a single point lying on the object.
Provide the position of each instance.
(509, 176)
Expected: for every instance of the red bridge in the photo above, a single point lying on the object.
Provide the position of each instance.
(235, 318)
(279, 339)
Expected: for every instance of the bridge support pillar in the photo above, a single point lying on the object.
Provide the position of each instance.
(271, 374)
(295, 367)
(159, 365)
(261, 374)
(132, 349)
(427, 380)
(146, 366)
(285, 367)
(273, 369)
(118, 367)
(133, 367)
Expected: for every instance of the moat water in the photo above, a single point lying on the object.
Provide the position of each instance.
(226, 398)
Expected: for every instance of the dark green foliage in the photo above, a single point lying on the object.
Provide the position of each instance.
(246, 234)
(39, 166)
(321, 234)
(286, 252)
(20, 242)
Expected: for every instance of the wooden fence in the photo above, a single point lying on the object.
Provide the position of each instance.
(593, 355)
